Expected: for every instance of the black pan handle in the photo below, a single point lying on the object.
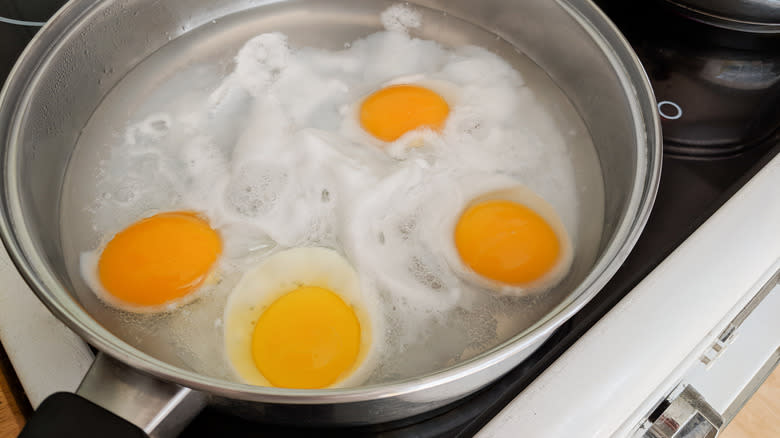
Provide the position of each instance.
(64, 415)
(116, 401)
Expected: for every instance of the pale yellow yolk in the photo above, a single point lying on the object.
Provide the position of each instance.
(159, 259)
(393, 111)
(306, 339)
(506, 242)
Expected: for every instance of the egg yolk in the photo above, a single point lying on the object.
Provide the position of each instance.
(506, 242)
(393, 111)
(306, 339)
(159, 259)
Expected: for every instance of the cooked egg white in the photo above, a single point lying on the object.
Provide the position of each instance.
(273, 153)
(510, 241)
(400, 130)
(303, 171)
(156, 264)
(267, 285)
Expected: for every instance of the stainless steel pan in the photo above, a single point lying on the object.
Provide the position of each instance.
(90, 45)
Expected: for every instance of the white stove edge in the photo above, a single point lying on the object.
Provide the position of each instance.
(47, 356)
(610, 379)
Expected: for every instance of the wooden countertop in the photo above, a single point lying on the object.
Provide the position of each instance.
(761, 415)
(13, 404)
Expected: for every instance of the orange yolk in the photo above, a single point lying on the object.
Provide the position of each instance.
(393, 111)
(308, 338)
(159, 259)
(506, 242)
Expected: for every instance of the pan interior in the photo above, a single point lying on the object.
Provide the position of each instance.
(192, 65)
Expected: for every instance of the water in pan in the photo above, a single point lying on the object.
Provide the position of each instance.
(175, 133)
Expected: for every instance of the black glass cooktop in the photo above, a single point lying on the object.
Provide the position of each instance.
(719, 101)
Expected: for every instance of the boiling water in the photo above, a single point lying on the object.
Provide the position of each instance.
(180, 129)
